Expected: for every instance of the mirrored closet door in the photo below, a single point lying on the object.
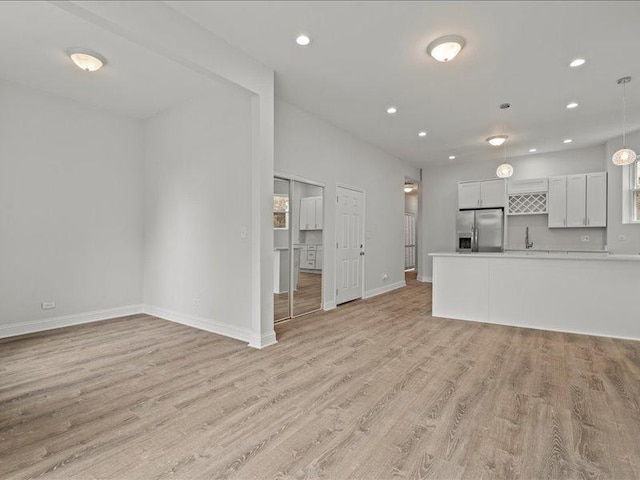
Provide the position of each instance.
(298, 210)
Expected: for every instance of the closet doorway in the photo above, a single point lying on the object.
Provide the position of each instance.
(298, 241)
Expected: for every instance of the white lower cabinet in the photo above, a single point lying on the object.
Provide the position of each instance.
(311, 257)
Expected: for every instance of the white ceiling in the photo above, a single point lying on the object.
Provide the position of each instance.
(365, 56)
(136, 82)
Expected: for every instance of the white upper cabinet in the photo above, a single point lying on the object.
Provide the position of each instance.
(319, 217)
(557, 202)
(311, 213)
(491, 193)
(597, 199)
(469, 195)
(578, 200)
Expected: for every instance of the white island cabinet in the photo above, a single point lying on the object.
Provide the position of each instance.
(595, 294)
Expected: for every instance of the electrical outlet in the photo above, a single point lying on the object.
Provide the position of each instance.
(243, 232)
(196, 301)
(48, 305)
(585, 238)
(622, 238)
(385, 277)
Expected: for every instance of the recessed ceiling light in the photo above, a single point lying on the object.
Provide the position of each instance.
(303, 40)
(452, 157)
(422, 134)
(572, 105)
(391, 110)
(567, 140)
(577, 62)
(86, 60)
(497, 140)
(446, 48)
(531, 150)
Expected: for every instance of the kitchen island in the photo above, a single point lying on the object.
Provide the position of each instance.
(589, 293)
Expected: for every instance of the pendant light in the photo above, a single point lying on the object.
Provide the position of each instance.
(624, 156)
(505, 170)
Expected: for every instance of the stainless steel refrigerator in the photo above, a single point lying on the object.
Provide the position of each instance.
(480, 230)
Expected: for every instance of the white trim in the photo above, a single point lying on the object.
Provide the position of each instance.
(42, 325)
(384, 289)
(425, 278)
(225, 329)
(296, 178)
(574, 332)
(364, 239)
(263, 341)
(330, 305)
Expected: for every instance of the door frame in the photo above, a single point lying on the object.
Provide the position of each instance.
(364, 238)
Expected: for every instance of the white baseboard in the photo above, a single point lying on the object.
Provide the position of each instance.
(202, 323)
(23, 328)
(263, 341)
(384, 289)
(425, 278)
(329, 305)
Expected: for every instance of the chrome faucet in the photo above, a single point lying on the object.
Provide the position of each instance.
(527, 243)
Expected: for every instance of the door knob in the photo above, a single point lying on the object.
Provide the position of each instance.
(361, 254)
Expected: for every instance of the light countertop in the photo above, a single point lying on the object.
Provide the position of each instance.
(545, 255)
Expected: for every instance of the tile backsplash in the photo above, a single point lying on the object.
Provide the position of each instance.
(544, 237)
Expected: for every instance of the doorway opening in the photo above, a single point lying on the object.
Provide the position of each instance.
(298, 241)
(411, 207)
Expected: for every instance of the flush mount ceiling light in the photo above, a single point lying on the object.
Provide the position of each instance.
(445, 49)
(422, 134)
(497, 140)
(577, 62)
(572, 105)
(408, 188)
(303, 40)
(567, 140)
(86, 60)
(624, 156)
(392, 110)
(532, 150)
(452, 157)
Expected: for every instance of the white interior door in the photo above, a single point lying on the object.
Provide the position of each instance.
(350, 244)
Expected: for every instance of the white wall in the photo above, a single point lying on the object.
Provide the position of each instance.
(616, 227)
(440, 195)
(198, 198)
(311, 148)
(70, 209)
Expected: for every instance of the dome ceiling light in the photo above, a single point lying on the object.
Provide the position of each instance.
(445, 49)
(86, 60)
(497, 140)
(303, 40)
(624, 156)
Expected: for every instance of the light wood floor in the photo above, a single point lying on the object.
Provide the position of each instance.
(376, 389)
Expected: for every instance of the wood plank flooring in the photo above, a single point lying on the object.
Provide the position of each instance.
(375, 389)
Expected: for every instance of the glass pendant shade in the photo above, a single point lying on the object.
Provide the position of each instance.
(624, 156)
(504, 171)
